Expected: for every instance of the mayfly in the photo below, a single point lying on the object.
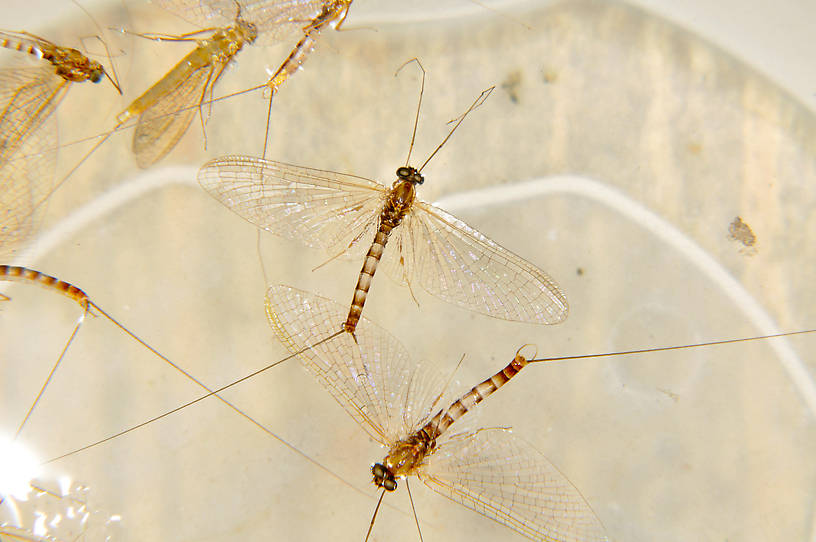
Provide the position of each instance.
(432, 248)
(488, 470)
(29, 96)
(332, 13)
(28, 132)
(166, 109)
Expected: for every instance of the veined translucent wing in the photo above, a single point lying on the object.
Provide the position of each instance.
(27, 173)
(28, 96)
(374, 380)
(277, 20)
(314, 207)
(454, 262)
(274, 19)
(500, 476)
(203, 13)
(163, 124)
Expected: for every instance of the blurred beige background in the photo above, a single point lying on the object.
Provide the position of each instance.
(602, 110)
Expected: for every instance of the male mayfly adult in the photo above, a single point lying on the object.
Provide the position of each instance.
(28, 132)
(432, 248)
(488, 470)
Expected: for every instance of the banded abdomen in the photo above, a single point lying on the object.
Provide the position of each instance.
(23, 274)
(397, 204)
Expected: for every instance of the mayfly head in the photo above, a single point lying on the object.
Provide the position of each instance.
(383, 477)
(412, 175)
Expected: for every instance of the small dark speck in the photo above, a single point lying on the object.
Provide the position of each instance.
(739, 230)
(549, 75)
(511, 85)
(579, 271)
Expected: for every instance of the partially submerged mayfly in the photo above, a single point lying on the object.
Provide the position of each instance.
(166, 109)
(431, 248)
(55, 514)
(28, 132)
(488, 470)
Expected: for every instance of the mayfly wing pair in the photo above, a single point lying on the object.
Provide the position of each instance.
(166, 109)
(431, 248)
(28, 132)
(487, 470)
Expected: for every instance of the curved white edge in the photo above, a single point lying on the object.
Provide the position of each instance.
(640, 215)
(101, 206)
(138, 185)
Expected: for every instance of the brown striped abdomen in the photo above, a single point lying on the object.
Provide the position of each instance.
(24, 46)
(476, 395)
(295, 60)
(366, 274)
(23, 274)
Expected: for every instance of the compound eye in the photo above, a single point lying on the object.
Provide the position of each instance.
(96, 76)
(403, 172)
(378, 471)
(390, 484)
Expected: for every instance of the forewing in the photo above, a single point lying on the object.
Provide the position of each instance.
(26, 180)
(314, 207)
(454, 262)
(202, 13)
(274, 19)
(505, 479)
(28, 96)
(278, 20)
(162, 125)
(374, 379)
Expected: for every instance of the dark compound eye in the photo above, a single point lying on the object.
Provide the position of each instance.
(403, 172)
(378, 471)
(96, 76)
(390, 484)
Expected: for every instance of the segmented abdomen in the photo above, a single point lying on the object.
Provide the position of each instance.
(476, 395)
(23, 45)
(366, 274)
(23, 274)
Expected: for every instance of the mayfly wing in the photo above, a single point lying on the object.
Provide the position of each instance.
(28, 96)
(274, 19)
(26, 180)
(277, 20)
(374, 379)
(314, 207)
(203, 13)
(502, 477)
(456, 263)
(163, 124)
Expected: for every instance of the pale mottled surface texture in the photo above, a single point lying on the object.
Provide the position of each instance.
(709, 445)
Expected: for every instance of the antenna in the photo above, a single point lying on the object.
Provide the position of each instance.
(115, 80)
(479, 101)
(419, 104)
